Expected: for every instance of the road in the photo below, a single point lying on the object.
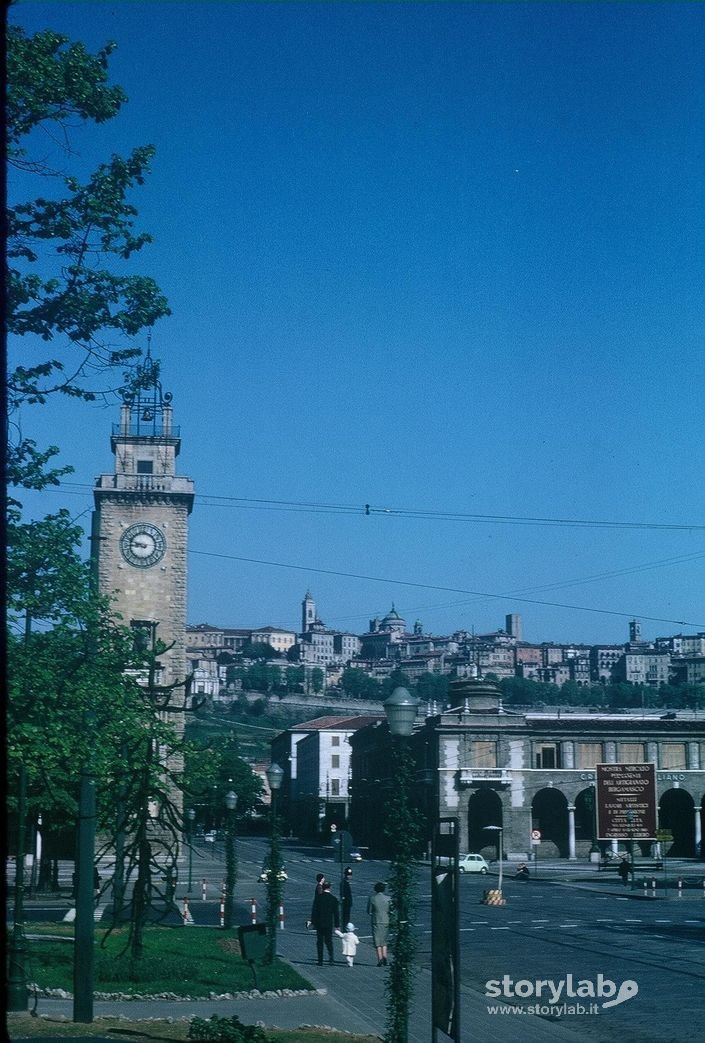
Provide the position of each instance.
(547, 931)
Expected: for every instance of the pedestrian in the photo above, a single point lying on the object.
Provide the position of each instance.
(350, 943)
(325, 918)
(522, 872)
(378, 907)
(320, 880)
(623, 870)
(346, 899)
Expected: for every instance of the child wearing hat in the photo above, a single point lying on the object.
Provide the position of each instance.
(350, 943)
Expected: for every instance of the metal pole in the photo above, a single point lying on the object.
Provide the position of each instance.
(17, 994)
(190, 855)
(83, 967)
(229, 870)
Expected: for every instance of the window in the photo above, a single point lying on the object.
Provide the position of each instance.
(335, 740)
(335, 787)
(547, 755)
(483, 754)
(631, 753)
(335, 760)
(672, 755)
(145, 467)
(588, 754)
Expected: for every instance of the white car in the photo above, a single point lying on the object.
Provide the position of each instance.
(209, 837)
(355, 855)
(472, 864)
(267, 872)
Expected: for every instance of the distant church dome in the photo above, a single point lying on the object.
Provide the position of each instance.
(393, 618)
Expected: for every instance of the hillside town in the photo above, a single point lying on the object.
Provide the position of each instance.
(319, 658)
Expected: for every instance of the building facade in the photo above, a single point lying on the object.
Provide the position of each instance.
(530, 772)
(315, 756)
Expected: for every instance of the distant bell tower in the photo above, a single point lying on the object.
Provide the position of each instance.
(308, 613)
(140, 524)
(635, 631)
(513, 626)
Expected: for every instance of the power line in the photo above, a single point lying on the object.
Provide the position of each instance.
(254, 504)
(369, 510)
(451, 590)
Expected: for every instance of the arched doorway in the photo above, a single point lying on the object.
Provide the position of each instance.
(549, 814)
(677, 813)
(484, 809)
(585, 814)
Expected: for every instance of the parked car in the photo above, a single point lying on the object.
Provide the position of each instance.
(472, 864)
(209, 837)
(266, 871)
(355, 855)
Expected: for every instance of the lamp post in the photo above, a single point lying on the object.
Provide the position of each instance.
(629, 815)
(401, 708)
(17, 994)
(498, 830)
(591, 805)
(230, 804)
(190, 815)
(275, 776)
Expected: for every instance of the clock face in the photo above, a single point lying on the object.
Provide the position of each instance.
(143, 545)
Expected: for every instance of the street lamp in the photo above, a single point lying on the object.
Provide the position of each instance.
(629, 816)
(190, 815)
(230, 804)
(591, 805)
(275, 777)
(17, 993)
(498, 830)
(401, 708)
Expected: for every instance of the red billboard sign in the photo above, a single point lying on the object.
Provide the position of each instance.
(626, 801)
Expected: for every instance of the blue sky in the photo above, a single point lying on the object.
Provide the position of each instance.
(430, 257)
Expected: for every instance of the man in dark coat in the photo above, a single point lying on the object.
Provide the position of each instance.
(346, 899)
(325, 917)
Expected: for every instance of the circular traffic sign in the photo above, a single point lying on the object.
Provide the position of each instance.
(535, 834)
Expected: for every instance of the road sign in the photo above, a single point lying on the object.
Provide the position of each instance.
(342, 843)
(535, 834)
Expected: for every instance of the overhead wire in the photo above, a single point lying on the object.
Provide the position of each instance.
(437, 586)
(369, 510)
(514, 595)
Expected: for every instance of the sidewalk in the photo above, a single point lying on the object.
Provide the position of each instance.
(350, 999)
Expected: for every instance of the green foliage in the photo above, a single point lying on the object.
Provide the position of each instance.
(225, 1030)
(317, 679)
(259, 650)
(433, 687)
(402, 830)
(214, 766)
(49, 82)
(110, 967)
(188, 961)
(358, 684)
(68, 248)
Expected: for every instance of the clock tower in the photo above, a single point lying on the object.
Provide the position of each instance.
(140, 525)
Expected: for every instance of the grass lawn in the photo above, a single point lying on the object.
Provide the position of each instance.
(22, 1026)
(185, 961)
